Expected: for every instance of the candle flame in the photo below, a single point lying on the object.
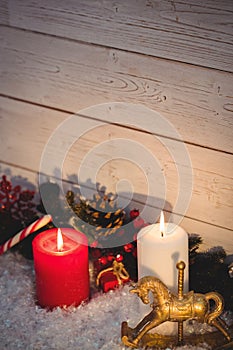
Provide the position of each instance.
(162, 226)
(59, 240)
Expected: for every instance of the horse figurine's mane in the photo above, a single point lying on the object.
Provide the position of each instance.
(153, 284)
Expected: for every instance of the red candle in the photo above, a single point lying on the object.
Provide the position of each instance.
(61, 267)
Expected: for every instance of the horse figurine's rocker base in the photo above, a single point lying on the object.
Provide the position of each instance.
(167, 306)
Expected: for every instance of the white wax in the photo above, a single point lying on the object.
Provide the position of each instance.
(158, 256)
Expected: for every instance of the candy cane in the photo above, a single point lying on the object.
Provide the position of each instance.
(36, 225)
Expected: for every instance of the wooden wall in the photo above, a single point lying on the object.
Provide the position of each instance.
(118, 65)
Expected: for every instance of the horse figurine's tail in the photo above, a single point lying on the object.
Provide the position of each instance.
(218, 309)
(213, 317)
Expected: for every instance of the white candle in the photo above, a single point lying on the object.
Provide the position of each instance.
(160, 247)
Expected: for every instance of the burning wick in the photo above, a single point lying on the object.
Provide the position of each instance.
(59, 240)
(162, 226)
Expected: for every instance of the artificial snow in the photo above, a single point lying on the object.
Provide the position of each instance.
(95, 325)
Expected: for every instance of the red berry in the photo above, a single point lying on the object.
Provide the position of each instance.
(103, 260)
(128, 247)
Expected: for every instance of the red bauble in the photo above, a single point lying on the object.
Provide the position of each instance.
(119, 257)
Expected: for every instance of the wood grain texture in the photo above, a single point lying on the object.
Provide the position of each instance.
(4, 14)
(190, 31)
(124, 160)
(70, 76)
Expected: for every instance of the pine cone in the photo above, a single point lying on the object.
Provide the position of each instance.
(101, 213)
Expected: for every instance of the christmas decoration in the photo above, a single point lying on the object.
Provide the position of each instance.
(104, 260)
(61, 268)
(102, 215)
(167, 306)
(112, 277)
(16, 208)
(94, 325)
(15, 204)
(208, 271)
(230, 271)
(106, 227)
(36, 225)
(112, 244)
(17, 211)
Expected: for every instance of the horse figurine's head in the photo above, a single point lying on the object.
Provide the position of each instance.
(142, 293)
(147, 284)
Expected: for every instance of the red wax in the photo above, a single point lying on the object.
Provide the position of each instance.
(62, 277)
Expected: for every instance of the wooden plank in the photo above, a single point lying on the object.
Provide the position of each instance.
(4, 14)
(112, 154)
(212, 235)
(190, 31)
(71, 76)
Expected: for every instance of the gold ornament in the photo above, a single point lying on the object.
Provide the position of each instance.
(167, 306)
(118, 270)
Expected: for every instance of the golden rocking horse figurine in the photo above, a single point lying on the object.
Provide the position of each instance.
(167, 306)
